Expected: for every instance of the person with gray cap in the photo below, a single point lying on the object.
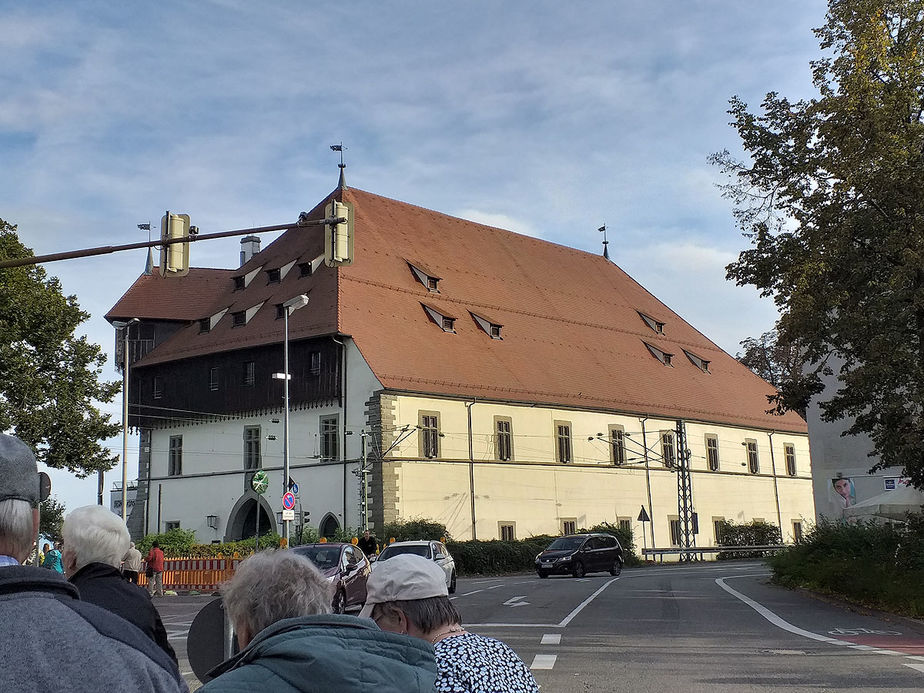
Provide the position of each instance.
(407, 594)
(88, 648)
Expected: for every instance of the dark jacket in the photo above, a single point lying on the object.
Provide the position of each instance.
(103, 585)
(50, 640)
(321, 654)
(368, 546)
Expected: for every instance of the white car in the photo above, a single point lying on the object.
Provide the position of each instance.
(432, 550)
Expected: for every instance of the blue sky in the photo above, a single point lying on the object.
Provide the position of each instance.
(545, 118)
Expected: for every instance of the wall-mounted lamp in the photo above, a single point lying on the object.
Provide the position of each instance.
(212, 521)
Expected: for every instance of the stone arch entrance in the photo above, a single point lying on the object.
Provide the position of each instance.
(329, 526)
(242, 522)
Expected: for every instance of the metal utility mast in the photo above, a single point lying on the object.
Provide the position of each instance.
(688, 523)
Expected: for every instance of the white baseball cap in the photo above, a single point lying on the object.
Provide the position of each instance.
(404, 578)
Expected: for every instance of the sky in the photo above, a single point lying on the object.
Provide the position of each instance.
(546, 118)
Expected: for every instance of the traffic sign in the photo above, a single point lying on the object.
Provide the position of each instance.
(288, 515)
(293, 487)
(643, 516)
(260, 481)
(288, 501)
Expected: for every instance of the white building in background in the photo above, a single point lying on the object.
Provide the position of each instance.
(500, 384)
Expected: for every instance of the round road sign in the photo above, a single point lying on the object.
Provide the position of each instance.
(288, 501)
(260, 482)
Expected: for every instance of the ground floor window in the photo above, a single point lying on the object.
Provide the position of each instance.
(568, 526)
(507, 531)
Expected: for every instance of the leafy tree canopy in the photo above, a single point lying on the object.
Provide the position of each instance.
(832, 200)
(49, 378)
(771, 359)
(51, 518)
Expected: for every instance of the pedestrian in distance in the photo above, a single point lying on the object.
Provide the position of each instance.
(279, 604)
(52, 559)
(368, 544)
(49, 639)
(155, 569)
(131, 564)
(408, 594)
(95, 539)
(41, 557)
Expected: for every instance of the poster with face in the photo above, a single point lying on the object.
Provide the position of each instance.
(844, 494)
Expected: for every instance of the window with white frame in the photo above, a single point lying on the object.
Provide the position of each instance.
(175, 456)
(507, 531)
(563, 441)
(329, 429)
(617, 444)
(252, 453)
(568, 525)
(429, 425)
(712, 452)
(789, 452)
(668, 450)
(503, 438)
(753, 459)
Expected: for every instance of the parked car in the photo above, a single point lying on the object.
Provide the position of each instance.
(433, 550)
(579, 554)
(347, 568)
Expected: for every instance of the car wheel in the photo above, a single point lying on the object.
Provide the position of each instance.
(543, 574)
(452, 583)
(578, 569)
(339, 603)
(617, 567)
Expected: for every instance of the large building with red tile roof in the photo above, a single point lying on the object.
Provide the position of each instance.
(497, 383)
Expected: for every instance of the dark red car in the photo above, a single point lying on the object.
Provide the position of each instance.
(347, 569)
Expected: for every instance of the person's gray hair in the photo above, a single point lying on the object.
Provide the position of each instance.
(17, 531)
(95, 535)
(427, 614)
(274, 585)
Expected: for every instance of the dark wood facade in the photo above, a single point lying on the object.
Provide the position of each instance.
(224, 384)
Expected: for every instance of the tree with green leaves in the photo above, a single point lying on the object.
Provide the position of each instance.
(832, 200)
(770, 358)
(49, 377)
(51, 518)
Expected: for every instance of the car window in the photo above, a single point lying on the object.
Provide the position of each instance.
(416, 549)
(323, 557)
(609, 542)
(437, 553)
(351, 555)
(594, 543)
(566, 544)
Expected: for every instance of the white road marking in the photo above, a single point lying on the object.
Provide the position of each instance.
(795, 630)
(516, 601)
(543, 661)
(584, 603)
(551, 639)
(919, 667)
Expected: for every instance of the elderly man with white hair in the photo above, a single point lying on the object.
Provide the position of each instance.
(95, 540)
(279, 604)
(49, 639)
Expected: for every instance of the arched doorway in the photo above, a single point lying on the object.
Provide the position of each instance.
(243, 518)
(329, 526)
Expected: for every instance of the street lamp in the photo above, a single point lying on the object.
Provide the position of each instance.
(289, 306)
(124, 327)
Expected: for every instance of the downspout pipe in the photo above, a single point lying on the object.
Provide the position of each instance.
(343, 435)
(471, 466)
(776, 488)
(648, 482)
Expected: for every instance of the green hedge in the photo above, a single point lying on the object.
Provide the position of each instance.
(874, 565)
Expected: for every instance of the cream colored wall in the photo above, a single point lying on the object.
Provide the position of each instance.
(536, 492)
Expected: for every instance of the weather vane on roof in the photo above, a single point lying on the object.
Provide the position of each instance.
(606, 253)
(340, 148)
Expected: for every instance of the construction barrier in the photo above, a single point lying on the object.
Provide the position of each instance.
(194, 574)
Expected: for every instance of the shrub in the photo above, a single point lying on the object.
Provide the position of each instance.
(176, 542)
(755, 533)
(414, 529)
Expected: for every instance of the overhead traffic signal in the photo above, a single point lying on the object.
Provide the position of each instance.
(174, 257)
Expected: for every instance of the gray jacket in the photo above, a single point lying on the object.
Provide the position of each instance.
(50, 640)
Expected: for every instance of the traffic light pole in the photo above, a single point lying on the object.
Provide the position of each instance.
(106, 249)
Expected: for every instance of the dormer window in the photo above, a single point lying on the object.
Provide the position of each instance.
(273, 276)
(304, 269)
(239, 319)
(659, 354)
(698, 361)
(425, 277)
(446, 322)
(239, 283)
(280, 311)
(491, 328)
(655, 325)
(205, 325)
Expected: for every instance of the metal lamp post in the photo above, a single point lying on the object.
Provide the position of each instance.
(289, 306)
(124, 327)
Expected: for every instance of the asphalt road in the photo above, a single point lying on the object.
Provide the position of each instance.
(709, 627)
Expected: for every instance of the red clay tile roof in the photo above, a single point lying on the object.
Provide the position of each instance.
(153, 297)
(572, 335)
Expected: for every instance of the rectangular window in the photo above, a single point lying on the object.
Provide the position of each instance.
(158, 388)
(507, 531)
(304, 269)
(314, 363)
(205, 325)
(503, 438)
(238, 319)
(252, 458)
(797, 531)
(238, 283)
(213, 379)
(789, 451)
(718, 529)
(625, 524)
(563, 441)
(668, 454)
(712, 452)
(273, 276)
(449, 324)
(753, 459)
(429, 424)
(175, 456)
(675, 531)
(569, 525)
(280, 311)
(617, 444)
(248, 374)
(171, 524)
(329, 435)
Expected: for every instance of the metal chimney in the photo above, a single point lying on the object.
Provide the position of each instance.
(250, 246)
